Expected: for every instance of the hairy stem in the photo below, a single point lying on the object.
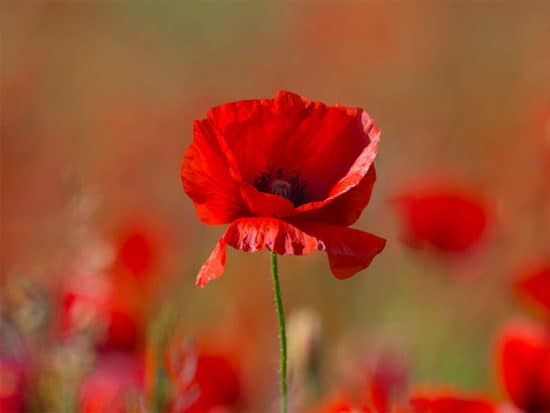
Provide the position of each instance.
(282, 330)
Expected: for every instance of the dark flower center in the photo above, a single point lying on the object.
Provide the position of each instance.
(277, 181)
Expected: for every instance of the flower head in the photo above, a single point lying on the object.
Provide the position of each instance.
(523, 365)
(114, 386)
(534, 285)
(205, 381)
(443, 217)
(289, 175)
(137, 252)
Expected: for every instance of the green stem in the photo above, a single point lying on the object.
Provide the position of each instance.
(282, 330)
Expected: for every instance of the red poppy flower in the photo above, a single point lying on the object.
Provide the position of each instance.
(205, 381)
(450, 403)
(114, 386)
(137, 252)
(91, 306)
(523, 365)
(388, 382)
(535, 285)
(341, 405)
(12, 386)
(445, 218)
(288, 175)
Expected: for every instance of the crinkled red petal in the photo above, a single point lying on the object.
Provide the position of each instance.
(256, 234)
(330, 148)
(523, 363)
(206, 179)
(349, 250)
(214, 265)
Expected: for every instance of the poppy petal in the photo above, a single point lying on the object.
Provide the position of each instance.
(347, 208)
(252, 131)
(535, 284)
(349, 250)
(206, 179)
(264, 204)
(449, 403)
(368, 136)
(339, 151)
(329, 148)
(447, 218)
(214, 265)
(256, 234)
(523, 363)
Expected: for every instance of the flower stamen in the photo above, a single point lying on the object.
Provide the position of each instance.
(281, 187)
(288, 185)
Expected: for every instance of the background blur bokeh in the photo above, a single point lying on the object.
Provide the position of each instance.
(97, 103)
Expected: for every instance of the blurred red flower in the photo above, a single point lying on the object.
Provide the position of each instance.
(90, 306)
(534, 284)
(388, 382)
(108, 301)
(449, 403)
(341, 405)
(205, 381)
(12, 386)
(523, 365)
(289, 175)
(445, 218)
(137, 252)
(114, 386)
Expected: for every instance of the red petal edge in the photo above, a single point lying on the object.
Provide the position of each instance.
(214, 265)
(206, 179)
(349, 250)
(256, 234)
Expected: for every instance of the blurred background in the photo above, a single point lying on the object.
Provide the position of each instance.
(100, 246)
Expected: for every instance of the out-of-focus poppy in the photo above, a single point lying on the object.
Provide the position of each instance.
(205, 381)
(114, 386)
(388, 382)
(137, 252)
(340, 404)
(534, 284)
(90, 307)
(109, 301)
(450, 403)
(289, 175)
(523, 365)
(445, 218)
(12, 386)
